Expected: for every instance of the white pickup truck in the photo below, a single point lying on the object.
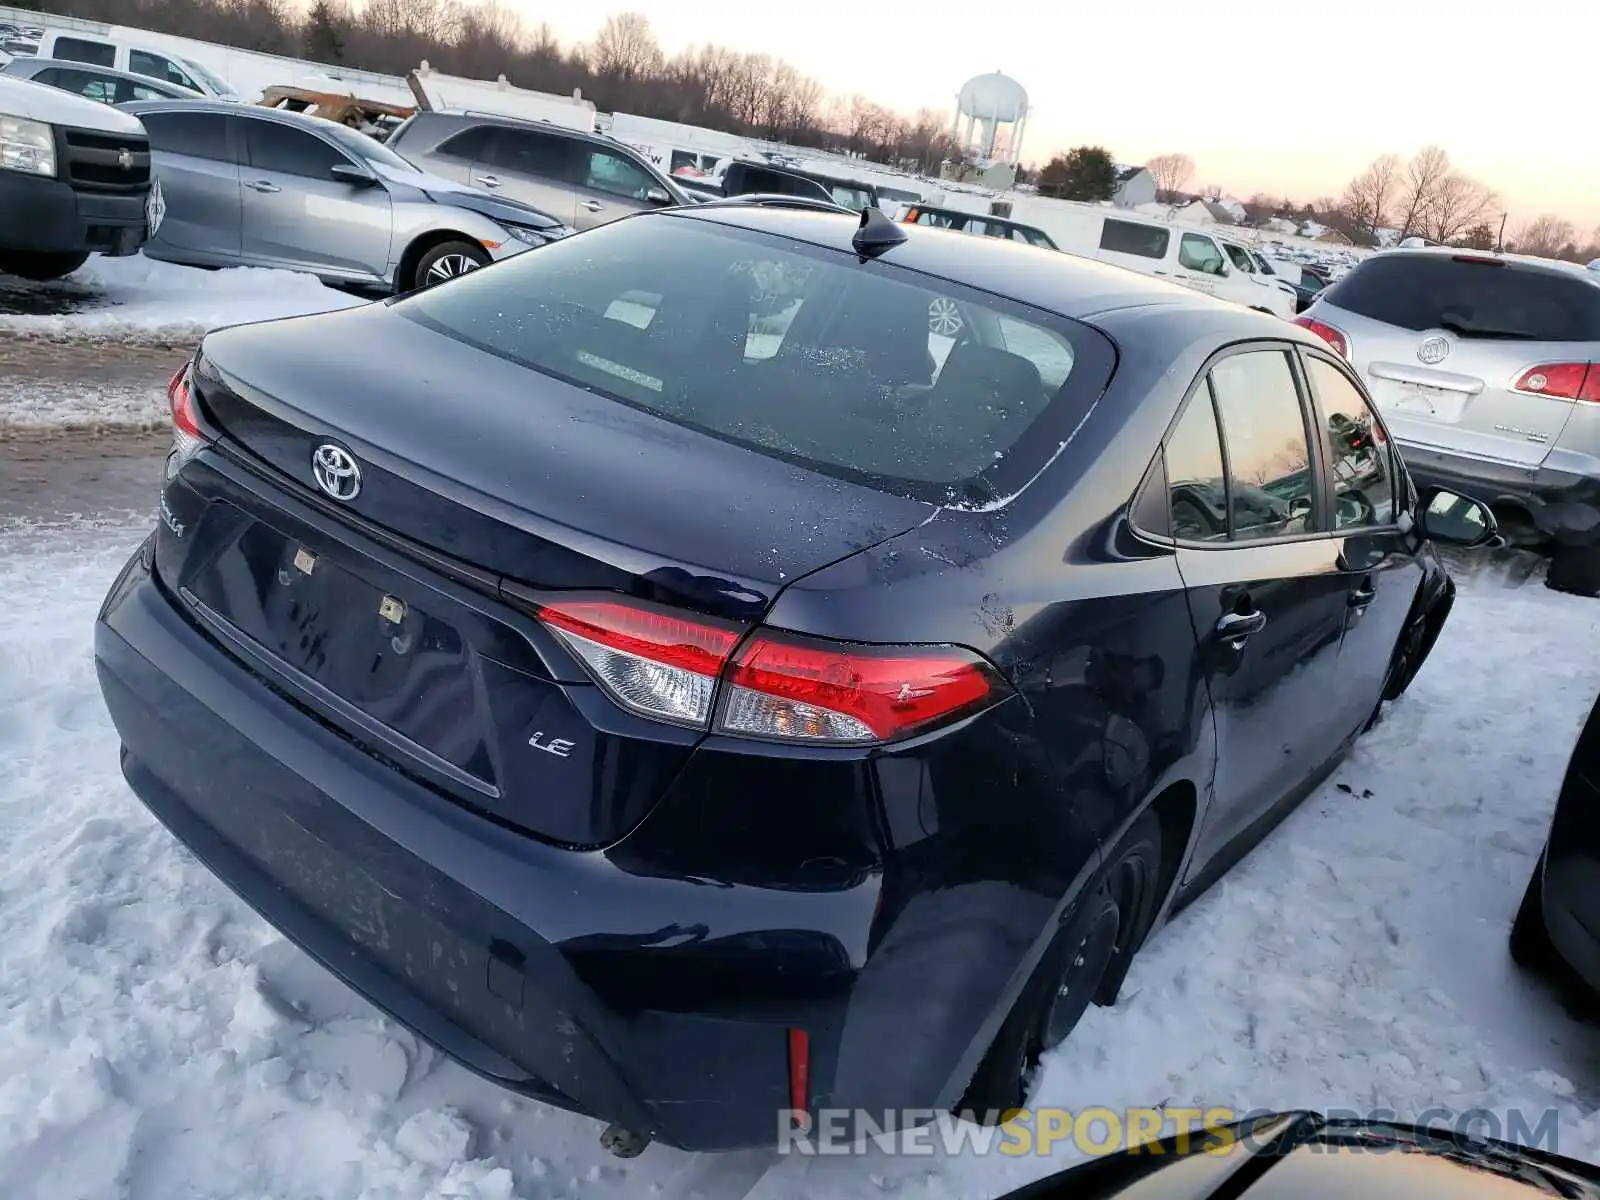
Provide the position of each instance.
(75, 178)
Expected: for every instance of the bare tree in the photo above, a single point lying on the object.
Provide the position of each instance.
(928, 141)
(488, 35)
(1458, 203)
(1546, 236)
(1419, 186)
(1172, 173)
(1368, 197)
(626, 48)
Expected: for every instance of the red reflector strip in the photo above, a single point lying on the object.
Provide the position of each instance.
(672, 641)
(799, 1070)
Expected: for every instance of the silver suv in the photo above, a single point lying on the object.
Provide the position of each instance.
(1486, 368)
(262, 187)
(581, 178)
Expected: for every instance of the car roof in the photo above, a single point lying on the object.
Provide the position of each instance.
(231, 108)
(507, 122)
(1057, 282)
(35, 65)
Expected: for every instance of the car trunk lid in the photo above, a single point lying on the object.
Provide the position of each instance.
(387, 611)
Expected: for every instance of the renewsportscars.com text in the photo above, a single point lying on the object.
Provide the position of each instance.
(1098, 1130)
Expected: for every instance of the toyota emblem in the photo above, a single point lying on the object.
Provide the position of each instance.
(336, 471)
(1433, 350)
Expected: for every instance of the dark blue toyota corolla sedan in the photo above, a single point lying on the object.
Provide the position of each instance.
(751, 659)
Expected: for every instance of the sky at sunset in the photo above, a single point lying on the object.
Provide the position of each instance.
(1264, 96)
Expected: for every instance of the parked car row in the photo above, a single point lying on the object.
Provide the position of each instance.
(246, 185)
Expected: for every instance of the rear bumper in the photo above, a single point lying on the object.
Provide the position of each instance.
(47, 216)
(1563, 504)
(659, 1001)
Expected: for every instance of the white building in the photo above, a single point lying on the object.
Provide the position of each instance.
(1135, 186)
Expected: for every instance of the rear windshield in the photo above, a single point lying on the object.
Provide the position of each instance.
(1471, 299)
(860, 370)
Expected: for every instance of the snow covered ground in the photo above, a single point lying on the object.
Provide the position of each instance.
(140, 299)
(157, 1040)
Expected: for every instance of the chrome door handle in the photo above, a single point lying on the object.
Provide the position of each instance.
(261, 185)
(593, 205)
(489, 181)
(1234, 628)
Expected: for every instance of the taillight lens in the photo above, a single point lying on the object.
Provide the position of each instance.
(187, 435)
(1327, 333)
(668, 665)
(1565, 381)
(657, 663)
(804, 689)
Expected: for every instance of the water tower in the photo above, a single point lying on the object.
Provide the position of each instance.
(990, 110)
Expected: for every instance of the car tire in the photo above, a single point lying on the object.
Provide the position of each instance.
(41, 266)
(1575, 570)
(1084, 964)
(1411, 651)
(446, 261)
(1531, 947)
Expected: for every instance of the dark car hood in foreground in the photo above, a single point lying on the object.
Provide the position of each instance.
(519, 473)
(1303, 1156)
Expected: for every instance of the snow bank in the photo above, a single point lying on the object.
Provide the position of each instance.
(157, 1039)
(140, 299)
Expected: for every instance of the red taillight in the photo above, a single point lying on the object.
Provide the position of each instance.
(668, 665)
(1565, 381)
(1327, 333)
(805, 689)
(657, 663)
(187, 434)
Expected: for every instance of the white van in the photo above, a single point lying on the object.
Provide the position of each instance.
(1198, 258)
(111, 50)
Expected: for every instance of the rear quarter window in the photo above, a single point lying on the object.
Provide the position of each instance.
(1499, 300)
(1128, 237)
(859, 370)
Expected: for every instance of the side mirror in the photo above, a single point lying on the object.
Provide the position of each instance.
(658, 196)
(353, 175)
(1457, 520)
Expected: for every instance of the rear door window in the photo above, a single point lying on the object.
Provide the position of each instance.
(85, 83)
(1197, 487)
(199, 135)
(1472, 297)
(541, 155)
(858, 370)
(467, 146)
(99, 54)
(1270, 481)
